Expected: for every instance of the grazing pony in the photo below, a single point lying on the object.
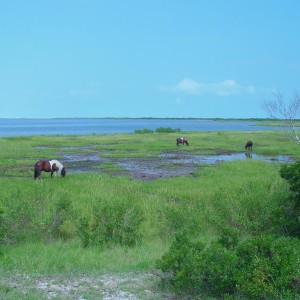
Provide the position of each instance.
(181, 141)
(249, 145)
(53, 166)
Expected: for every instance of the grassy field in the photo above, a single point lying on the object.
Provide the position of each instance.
(51, 226)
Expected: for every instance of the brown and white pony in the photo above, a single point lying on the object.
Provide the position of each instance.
(53, 166)
(181, 141)
(249, 145)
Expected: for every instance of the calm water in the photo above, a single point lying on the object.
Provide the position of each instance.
(27, 127)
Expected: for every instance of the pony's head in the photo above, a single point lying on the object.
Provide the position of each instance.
(249, 145)
(37, 172)
(63, 172)
(186, 142)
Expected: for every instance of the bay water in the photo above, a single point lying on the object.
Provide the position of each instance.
(85, 126)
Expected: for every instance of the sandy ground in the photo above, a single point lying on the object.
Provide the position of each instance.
(125, 286)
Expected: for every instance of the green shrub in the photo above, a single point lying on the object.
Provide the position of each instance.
(113, 222)
(268, 267)
(175, 259)
(196, 269)
(141, 131)
(229, 237)
(263, 267)
(291, 172)
(286, 216)
(167, 130)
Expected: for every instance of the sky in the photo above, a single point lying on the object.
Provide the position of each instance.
(147, 58)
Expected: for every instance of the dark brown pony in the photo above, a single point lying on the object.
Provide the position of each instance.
(49, 166)
(182, 141)
(249, 145)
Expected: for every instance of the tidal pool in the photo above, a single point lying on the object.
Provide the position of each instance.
(217, 158)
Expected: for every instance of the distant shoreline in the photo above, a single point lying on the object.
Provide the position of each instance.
(260, 121)
(142, 118)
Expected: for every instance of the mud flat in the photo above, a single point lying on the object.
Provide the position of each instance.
(166, 165)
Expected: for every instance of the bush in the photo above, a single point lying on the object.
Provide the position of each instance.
(287, 215)
(112, 223)
(167, 130)
(263, 267)
(196, 269)
(268, 267)
(229, 237)
(291, 172)
(141, 131)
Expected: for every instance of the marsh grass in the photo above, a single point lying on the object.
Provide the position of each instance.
(61, 257)
(274, 122)
(41, 217)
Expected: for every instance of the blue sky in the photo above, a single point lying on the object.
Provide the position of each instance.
(147, 58)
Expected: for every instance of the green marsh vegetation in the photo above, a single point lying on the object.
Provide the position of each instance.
(97, 222)
(275, 122)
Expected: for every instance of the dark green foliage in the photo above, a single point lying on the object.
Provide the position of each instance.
(167, 130)
(262, 267)
(111, 223)
(291, 172)
(268, 267)
(287, 214)
(196, 269)
(176, 257)
(159, 129)
(229, 237)
(143, 131)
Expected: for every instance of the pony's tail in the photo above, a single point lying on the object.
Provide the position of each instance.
(36, 171)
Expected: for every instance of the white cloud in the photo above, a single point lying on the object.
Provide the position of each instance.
(224, 88)
(189, 86)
